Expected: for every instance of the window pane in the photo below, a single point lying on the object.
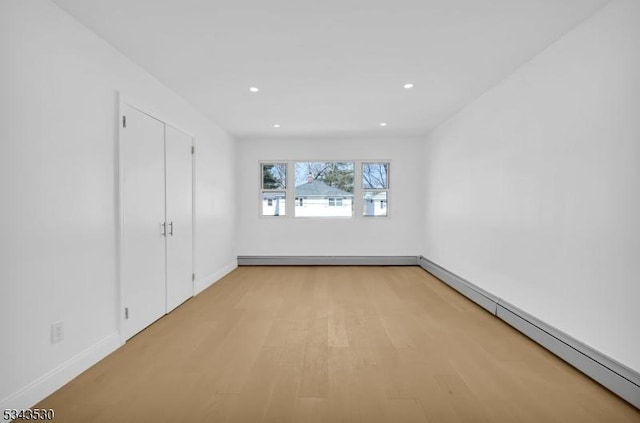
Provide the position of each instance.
(274, 176)
(374, 175)
(374, 203)
(320, 184)
(274, 203)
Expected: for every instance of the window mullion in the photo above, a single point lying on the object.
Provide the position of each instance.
(291, 189)
(357, 192)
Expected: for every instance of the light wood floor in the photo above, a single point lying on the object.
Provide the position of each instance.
(333, 344)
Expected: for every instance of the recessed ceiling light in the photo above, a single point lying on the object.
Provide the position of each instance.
(383, 123)
(408, 86)
(276, 125)
(254, 89)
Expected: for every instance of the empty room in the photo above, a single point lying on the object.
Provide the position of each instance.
(320, 211)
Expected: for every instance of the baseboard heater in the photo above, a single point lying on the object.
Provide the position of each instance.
(613, 375)
(327, 260)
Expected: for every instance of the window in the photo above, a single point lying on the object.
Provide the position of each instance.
(324, 189)
(327, 188)
(273, 189)
(335, 202)
(375, 189)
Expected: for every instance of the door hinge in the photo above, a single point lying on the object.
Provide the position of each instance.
(126, 312)
(193, 149)
(193, 277)
(124, 121)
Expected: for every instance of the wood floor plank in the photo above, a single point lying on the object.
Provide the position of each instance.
(342, 395)
(312, 410)
(315, 368)
(405, 410)
(218, 409)
(337, 327)
(333, 344)
(282, 402)
(435, 403)
(258, 387)
(239, 354)
(396, 329)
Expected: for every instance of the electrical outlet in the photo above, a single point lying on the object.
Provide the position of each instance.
(57, 332)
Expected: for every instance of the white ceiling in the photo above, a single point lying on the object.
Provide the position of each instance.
(330, 68)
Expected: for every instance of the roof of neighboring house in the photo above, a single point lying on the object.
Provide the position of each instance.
(320, 189)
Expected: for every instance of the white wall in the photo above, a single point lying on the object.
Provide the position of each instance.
(58, 137)
(533, 190)
(393, 236)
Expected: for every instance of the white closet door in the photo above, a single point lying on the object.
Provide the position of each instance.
(143, 245)
(179, 217)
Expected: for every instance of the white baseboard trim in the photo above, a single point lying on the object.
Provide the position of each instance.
(53, 380)
(204, 283)
(613, 375)
(327, 260)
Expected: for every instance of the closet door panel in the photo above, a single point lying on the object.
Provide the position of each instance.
(179, 217)
(143, 245)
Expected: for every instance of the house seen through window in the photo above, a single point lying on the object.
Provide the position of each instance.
(326, 187)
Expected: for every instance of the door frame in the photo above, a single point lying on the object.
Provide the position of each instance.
(119, 197)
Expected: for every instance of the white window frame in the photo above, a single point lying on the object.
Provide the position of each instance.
(358, 191)
(262, 190)
(336, 201)
(387, 189)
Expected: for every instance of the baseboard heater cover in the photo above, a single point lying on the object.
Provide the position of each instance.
(327, 260)
(613, 375)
